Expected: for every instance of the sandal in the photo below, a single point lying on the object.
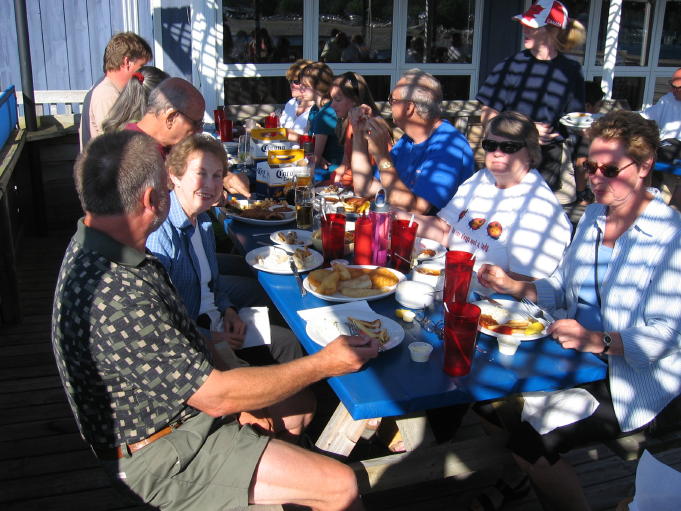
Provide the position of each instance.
(495, 496)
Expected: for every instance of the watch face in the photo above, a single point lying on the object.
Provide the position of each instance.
(607, 339)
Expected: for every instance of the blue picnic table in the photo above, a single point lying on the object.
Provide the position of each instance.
(393, 385)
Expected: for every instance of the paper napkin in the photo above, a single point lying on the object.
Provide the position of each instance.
(257, 321)
(546, 411)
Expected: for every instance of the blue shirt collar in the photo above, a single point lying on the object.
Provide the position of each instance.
(177, 216)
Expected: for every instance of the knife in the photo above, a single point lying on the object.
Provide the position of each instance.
(299, 281)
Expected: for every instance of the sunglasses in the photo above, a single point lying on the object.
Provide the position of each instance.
(294, 82)
(608, 170)
(505, 147)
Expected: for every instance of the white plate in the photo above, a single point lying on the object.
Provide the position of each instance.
(325, 330)
(343, 192)
(288, 217)
(304, 237)
(337, 297)
(424, 243)
(511, 310)
(283, 268)
(579, 119)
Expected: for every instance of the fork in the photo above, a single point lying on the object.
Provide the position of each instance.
(533, 311)
(355, 331)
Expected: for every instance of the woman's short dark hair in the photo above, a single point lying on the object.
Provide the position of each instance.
(640, 136)
(320, 76)
(517, 127)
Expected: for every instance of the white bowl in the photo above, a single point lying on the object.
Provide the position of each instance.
(508, 344)
(437, 281)
(420, 351)
(414, 295)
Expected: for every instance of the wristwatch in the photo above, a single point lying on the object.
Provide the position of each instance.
(385, 165)
(607, 341)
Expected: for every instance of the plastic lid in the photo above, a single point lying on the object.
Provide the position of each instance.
(380, 205)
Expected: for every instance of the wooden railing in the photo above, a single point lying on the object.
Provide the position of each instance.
(54, 102)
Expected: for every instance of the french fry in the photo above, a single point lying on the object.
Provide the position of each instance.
(358, 272)
(342, 271)
(330, 283)
(363, 282)
(317, 276)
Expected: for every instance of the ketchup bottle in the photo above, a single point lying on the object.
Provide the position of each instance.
(364, 227)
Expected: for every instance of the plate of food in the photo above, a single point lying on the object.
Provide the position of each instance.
(350, 283)
(260, 212)
(333, 191)
(427, 249)
(509, 319)
(276, 260)
(389, 333)
(579, 119)
(295, 237)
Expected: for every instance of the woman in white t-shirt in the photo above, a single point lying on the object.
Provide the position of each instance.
(505, 214)
(296, 111)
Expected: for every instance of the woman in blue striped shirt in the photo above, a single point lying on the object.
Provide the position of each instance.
(619, 292)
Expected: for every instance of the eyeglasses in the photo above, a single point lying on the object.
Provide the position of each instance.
(198, 124)
(608, 170)
(392, 101)
(294, 82)
(507, 147)
(674, 87)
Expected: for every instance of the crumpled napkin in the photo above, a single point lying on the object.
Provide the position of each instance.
(257, 321)
(658, 486)
(546, 411)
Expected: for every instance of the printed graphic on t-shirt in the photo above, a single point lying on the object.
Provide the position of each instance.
(479, 233)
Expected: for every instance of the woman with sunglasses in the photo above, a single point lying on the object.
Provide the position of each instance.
(618, 291)
(296, 111)
(351, 99)
(505, 214)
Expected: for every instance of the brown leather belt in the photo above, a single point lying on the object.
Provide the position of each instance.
(125, 450)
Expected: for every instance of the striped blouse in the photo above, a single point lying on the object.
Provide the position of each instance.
(640, 299)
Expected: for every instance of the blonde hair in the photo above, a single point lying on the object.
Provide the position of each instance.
(569, 38)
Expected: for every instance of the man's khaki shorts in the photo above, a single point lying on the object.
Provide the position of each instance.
(205, 464)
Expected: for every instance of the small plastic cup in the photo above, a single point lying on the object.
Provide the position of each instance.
(420, 351)
(508, 344)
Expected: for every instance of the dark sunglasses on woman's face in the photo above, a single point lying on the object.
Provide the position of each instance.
(294, 82)
(505, 147)
(609, 170)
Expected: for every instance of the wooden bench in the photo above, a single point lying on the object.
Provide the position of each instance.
(54, 102)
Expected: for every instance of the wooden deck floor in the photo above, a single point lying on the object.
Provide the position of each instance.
(44, 465)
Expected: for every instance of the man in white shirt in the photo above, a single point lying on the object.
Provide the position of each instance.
(667, 113)
(125, 53)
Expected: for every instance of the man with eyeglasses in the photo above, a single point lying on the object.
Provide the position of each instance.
(667, 114)
(174, 111)
(423, 170)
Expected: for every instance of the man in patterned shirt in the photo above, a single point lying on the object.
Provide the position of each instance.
(162, 420)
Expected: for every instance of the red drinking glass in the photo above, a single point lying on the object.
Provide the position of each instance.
(218, 115)
(363, 234)
(333, 236)
(458, 271)
(226, 130)
(402, 238)
(461, 330)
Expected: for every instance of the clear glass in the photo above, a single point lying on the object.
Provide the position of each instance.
(355, 31)
(633, 43)
(670, 46)
(262, 31)
(440, 31)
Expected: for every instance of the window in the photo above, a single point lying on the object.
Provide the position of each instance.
(635, 32)
(578, 10)
(440, 32)
(259, 90)
(262, 32)
(670, 45)
(355, 31)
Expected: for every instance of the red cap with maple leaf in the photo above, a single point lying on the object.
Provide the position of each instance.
(544, 12)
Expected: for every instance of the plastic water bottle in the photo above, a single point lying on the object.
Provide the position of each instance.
(381, 217)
